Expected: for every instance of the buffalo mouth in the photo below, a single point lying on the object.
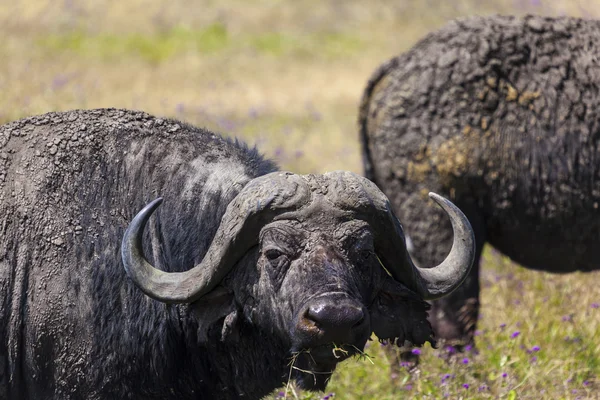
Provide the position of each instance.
(312, 368)
(331, 353)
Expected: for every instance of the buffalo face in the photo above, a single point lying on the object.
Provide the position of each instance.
(321, 282)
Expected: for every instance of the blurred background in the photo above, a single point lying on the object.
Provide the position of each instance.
(287, 76)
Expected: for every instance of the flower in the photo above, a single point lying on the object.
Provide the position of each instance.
(466, 385)
(595, 305)
(502, 325)
(504, 375)
(515, 334)
(416, 352)
(468, 347)
(465, 360)
(535, 348)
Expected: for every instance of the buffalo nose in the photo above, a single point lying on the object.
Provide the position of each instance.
(335, 319)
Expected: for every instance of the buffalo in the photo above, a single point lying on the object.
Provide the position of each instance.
(501, 115)
(246, 278)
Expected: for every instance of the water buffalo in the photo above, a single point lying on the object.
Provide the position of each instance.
(258, 276)
(501, 115)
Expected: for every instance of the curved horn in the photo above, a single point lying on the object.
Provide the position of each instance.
(261, 200)
(439, 281)
(447, 276)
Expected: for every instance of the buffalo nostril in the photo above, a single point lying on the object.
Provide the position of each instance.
(329, 316)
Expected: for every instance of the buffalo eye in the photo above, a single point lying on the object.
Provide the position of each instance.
(276, 257)
(362, 250)
(365, 254)
(273, 254)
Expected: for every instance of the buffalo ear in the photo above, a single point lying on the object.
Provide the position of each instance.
(215, 310)
(399, 315)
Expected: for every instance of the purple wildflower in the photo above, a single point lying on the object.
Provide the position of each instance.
(586, 383)
(515, 334)
(281, 394)
(465, 360)
(533, 359)
(595, 305)
(466, 385)
(253, 112)
(60, 81)
(504, 375)
(502, 325)
(416, 352)
(535, 348)
(468, 347)
(450, 349)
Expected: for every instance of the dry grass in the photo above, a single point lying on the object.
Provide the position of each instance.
(287, 76)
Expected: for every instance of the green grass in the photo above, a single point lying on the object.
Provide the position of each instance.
(151, 48)
(287, 76)
(161, 46)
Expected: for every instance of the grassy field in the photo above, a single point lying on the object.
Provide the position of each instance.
(287, 76)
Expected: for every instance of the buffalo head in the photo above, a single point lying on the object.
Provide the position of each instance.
(328, 266)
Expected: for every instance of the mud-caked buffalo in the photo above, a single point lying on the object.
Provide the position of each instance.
(502, 116)
(244, 277)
